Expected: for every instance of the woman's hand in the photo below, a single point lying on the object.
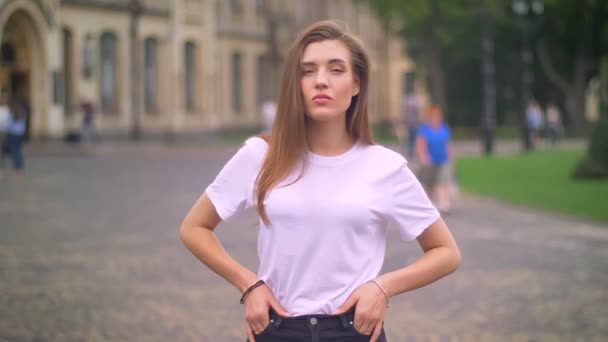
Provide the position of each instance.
(370, 305)
(257, 305)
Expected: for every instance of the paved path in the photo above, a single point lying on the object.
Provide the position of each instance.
(89, 251)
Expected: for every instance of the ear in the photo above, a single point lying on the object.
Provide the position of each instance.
(356, 87)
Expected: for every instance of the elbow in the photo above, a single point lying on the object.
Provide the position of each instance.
(455, 260)
(184, 233)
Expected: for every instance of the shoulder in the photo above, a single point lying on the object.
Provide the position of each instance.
(381, 155)
(255, 145)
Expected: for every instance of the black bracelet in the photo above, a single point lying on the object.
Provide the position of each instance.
(251, 288)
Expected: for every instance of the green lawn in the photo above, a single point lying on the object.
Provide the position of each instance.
(540, 179)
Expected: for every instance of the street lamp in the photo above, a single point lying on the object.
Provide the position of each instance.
(489, 84)
(135, 11)
(527, 12)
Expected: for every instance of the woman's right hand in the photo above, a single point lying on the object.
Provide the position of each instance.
(257, 305)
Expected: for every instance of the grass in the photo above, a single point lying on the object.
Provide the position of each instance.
(539, 179)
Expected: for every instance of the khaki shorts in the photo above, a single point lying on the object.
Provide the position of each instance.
(433, 175)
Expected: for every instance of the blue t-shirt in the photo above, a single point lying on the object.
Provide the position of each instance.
(436, 142)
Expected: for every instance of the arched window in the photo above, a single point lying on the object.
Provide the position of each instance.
(151, 75)
(107, 73)
(190, 76)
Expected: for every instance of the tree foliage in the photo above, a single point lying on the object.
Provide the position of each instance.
(570, 38)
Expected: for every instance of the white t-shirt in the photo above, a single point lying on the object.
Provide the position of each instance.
(328, 229)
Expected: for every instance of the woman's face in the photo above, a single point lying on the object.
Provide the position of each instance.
(328, 83)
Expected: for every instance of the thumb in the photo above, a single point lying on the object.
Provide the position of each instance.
(280, 310)
(350, 302)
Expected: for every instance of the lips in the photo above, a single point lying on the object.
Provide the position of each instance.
(321, 98)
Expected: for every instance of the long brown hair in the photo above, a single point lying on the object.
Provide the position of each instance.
(287, 142)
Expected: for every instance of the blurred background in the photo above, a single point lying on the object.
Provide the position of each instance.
(155, 67)
(130, 107)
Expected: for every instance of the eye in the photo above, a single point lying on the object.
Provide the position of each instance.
(337, 70)
(307, 71)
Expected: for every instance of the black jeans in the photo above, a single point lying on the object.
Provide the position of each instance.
(313, 328)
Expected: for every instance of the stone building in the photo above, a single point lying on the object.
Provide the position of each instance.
(171, 66)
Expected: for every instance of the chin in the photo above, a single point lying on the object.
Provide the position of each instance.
(323, 116)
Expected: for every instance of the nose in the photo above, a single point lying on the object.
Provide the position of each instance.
(321, 79)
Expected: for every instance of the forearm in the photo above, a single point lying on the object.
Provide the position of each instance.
(203, 243)
(432, 266)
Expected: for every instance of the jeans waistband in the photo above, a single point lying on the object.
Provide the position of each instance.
(326, 321)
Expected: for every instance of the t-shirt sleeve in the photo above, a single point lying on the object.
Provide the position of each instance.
(232, 190)
(411, 209)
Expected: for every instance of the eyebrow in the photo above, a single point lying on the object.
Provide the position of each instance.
(331, 61)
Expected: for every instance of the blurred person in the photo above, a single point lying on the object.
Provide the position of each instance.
(88, 130)
(269, 111)
(411, 108)
(434, 154)
(15, 126)
(325, 194)
(534, 122)
(4, 118)
(554, 124)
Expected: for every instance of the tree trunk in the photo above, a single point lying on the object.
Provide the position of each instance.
(575, 96)
(574, 91)
(432, 52)
(436, 75)
(575, 110)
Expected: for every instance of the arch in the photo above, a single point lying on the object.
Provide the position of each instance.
(42, 18)
(24, 24)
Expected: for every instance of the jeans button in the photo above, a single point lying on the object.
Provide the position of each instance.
(313, 321)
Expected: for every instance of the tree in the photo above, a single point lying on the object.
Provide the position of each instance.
(573, 40)
(429, 28)
(435, 29)
(595, 163)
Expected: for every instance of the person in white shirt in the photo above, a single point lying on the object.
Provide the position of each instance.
(325, 194)
(269, 111)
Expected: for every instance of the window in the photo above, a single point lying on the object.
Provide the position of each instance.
(107, 79)
(236, 83)
(150, 75)
(190, 76)
(260, 7)
(87, 57)
(408, 79)
(236, 7)
(261, 77)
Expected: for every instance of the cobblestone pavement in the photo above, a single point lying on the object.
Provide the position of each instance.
(89, 251)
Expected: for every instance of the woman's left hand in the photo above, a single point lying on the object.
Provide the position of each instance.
(370, 305)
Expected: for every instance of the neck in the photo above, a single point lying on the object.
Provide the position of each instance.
(328, 138)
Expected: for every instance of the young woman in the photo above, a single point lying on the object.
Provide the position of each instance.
(325, 194)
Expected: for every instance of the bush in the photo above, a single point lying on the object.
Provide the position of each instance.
(595, 164)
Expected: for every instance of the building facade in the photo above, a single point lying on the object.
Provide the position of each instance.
(178, 66)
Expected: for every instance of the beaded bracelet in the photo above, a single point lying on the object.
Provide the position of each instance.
(251, 288)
